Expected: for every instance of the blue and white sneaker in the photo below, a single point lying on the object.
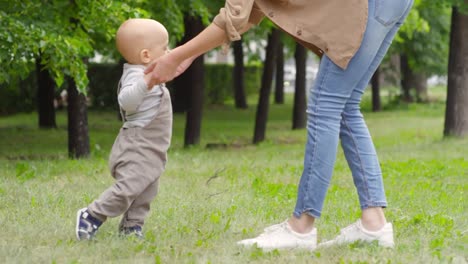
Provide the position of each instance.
(86, 225)
(132, 230)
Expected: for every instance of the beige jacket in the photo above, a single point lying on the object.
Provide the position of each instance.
(335, 27)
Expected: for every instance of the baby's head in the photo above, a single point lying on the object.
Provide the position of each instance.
(142, 40)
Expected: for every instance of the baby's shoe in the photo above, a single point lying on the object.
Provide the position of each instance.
(86, 225)
(131, 230)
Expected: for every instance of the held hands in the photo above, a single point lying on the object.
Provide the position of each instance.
(165, 69)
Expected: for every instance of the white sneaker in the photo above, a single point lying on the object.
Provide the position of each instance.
(281, 236)
(357, 232)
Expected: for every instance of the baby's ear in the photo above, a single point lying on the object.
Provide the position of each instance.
(145, 56)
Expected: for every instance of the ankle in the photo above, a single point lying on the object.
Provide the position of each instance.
(302, 225)
(373, 219)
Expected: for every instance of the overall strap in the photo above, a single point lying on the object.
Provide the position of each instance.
(122, 112)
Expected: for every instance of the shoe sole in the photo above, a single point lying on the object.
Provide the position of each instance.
(332, 243)
(77, 227)
(271, 248)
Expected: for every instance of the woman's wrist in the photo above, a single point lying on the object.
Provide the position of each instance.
(211, 37)
(176, 56)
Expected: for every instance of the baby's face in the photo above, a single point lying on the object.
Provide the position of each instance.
(159, 50)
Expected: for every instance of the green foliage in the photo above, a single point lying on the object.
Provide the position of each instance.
(171, 13)
(18, 46)
(413, 23)
(462, 5)
(103, 82)
(61, 34)
(18, 95)
(64, 34)
(424, 37)
(219, 82)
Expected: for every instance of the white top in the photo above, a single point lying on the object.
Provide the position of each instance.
(139, 104)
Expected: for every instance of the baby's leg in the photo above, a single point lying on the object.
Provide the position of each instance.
(130, 183)
(139, 209)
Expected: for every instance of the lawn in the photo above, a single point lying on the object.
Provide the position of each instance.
(211, 198)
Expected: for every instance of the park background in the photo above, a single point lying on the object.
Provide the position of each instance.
(238, 138)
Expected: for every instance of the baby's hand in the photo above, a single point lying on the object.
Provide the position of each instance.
(148, 81)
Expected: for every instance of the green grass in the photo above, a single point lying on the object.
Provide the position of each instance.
(211, 198)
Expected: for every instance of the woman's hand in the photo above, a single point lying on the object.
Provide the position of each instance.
(184, 66)
(174, 63)
(166, 68)
(162, 70)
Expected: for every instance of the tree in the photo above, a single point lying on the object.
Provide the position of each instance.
(279, 84)
(78, 137)
(407, 77)
(423, 45)
(267, 76)
(194, 83)
(456, 115)
(300, 102)
(45, 97)
(375, 82)
(238, 76)
(430, 50)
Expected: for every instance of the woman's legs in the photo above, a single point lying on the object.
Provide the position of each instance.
(333, 112)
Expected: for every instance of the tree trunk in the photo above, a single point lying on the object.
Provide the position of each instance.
(194, 113)
(420, 86)
(78, 139)
(181, 91)
(194, 77)
(279, 84)
(238, 74)
(456, 114)
(376, 105)
(411, 80)
(263, 99)
(45, 97)
(406, 78)
(300, 102)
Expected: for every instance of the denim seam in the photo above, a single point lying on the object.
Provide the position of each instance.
(374, 204)
(366, 187)
(309, 169)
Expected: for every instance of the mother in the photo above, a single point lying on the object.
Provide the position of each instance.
(352, 38)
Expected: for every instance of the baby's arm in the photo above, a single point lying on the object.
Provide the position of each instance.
(133, 90)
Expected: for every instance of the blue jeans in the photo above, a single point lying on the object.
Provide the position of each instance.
(334, 113)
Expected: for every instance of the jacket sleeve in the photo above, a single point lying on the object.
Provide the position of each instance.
(235, 16)
(132, 91)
